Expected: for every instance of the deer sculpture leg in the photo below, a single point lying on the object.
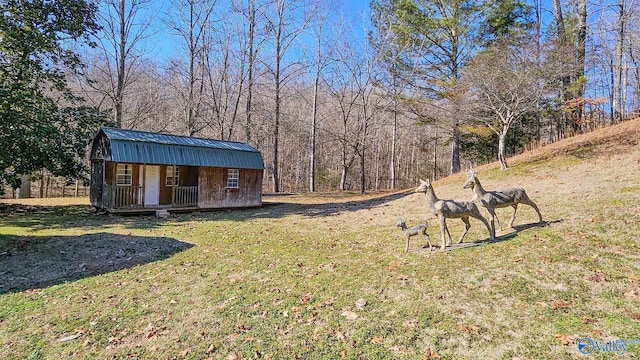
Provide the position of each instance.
(492, 233)
(406, 248)
(444, 231)
(535, 207)
(426, 236)
(513, 218)
(493, 218)
(467, 225)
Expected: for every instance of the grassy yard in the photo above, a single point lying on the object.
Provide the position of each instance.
(324, 276)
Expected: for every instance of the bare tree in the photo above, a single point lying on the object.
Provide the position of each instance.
(124, 28)
(251, 11)
(504, 86)
(225, 80)
(191, 20)
(322, 57)
(618, 102)
(288, 22)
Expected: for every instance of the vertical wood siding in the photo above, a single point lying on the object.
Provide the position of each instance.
(213, 191)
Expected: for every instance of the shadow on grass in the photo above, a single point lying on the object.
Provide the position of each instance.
(274, 209)
(28, 262)
(39, 217)
(505, 237)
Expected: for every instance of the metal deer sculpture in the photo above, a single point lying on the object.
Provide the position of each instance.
(415, 230)
(493, 200)
(451, 209)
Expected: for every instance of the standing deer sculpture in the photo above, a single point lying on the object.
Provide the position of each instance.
(451, 209)
(493, 200)
(415, 230)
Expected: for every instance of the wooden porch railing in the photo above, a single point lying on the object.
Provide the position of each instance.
(186, 196)
(129, 197)
(121, 197)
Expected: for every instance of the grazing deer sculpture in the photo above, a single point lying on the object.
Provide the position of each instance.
(411, 231)
(493, 200)
(451, 209)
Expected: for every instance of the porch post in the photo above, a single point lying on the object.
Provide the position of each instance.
(173, 188)
(114, 187)
(144, 181)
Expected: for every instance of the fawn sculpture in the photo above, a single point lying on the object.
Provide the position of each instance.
(451, 209)
(493, 200)
(411, 231)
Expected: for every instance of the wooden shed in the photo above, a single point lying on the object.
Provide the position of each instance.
(138, 171)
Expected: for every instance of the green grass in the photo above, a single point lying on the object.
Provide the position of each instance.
(282, 281)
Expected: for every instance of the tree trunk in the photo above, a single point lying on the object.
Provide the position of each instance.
(362, 168)
(343, 177)
(582, 50)
(434, 169)
(563, 42)
(250, 64)
(618, 106)
(501, 150)
(276, 121)
(394, 130)
(119, 94)
(24, 191)
(314, 117)
(455, 148)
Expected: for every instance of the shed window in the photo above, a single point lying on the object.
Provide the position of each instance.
(124, 174)
(172, 175)
(233, 176)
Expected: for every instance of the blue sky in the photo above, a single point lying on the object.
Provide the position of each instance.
(162, 43)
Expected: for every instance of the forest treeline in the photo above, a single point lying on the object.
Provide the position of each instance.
(334, 99)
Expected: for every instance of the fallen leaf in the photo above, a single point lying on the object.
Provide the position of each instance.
(210, 349)
(559, 304)
(597, 276)
(431, 354)
(563, 338)
(304, 298)
(542, 304)
(330, 266)
(586, 320)
(469, 328)
(632, 293)
(411, 323)
(350, 315)
(185, 352)
(377, 340)
(361, 303)
(599, 333)
(70, 337)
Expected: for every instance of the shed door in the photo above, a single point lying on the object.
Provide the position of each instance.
(152, 185)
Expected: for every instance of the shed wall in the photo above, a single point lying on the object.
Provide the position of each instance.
(213, 191)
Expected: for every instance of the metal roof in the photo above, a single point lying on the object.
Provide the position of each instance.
(153, 148)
